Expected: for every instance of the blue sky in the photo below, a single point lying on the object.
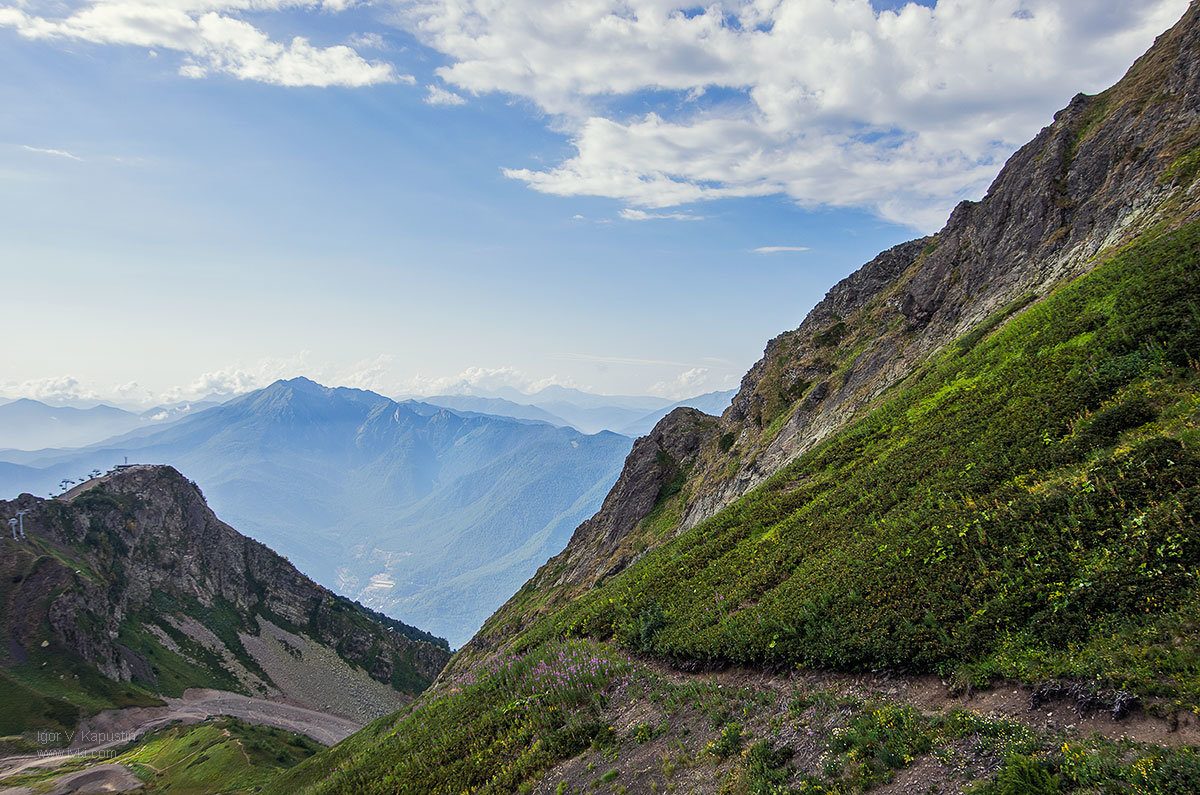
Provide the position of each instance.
(209, 205)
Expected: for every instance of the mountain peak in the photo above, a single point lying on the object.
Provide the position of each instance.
(142, 604)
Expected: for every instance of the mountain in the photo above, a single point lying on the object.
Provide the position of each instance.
(418, 511)
(496, 407)
(593, 413)
(590, 412)
(710, 403)
(30, 425)
(585, 411)
(943, 538)
(130, 587)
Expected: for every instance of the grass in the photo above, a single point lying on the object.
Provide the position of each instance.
(225, 755)
(484, 734)
(58, 685)
(488, 731)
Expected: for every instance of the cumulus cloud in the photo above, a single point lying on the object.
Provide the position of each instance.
(686, 384)
(64, 389)
(828, 102)
(222, 383)
(54, 152)
(372, 374)
(210, 37)
(470, 381)
(666, 103)
(440, 96)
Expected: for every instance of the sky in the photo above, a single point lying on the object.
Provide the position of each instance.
(424, 196)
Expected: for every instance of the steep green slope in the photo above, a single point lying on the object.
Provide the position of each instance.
(1023, 507)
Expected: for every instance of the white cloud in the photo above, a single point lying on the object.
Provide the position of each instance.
(220, 382)
(687, 384)
(780, 249)
(55, 152)
(367, 41)
(666, 103)
(371, 374)
(211, 39)
(64, 389)
(825, 101)
(479, 381)
(440, 96)
(641, 215)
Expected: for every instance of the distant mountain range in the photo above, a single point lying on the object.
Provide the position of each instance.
(32, 425)
(428, 514)
(584, 411)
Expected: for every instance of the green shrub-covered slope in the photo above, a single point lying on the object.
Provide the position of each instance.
(1023, 507)
(223, 755)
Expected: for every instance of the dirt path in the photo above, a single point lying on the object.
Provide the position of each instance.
(1006, 700)
(101, 778)
(113, 728)
(200, 704)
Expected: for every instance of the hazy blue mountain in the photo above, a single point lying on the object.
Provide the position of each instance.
(589, 400)
(430, 515)
(625, 414)
(29, 424)
(713, 403)
(496, 407)
(585, 411)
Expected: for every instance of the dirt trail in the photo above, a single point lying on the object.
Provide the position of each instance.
(200, 704)
(101, 778)
(116, 727)
(1005, 700)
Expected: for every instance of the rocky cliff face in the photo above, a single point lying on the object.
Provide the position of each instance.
(1108, 167)
(138, 577)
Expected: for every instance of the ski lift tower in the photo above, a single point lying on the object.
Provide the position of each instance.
(21, 522)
